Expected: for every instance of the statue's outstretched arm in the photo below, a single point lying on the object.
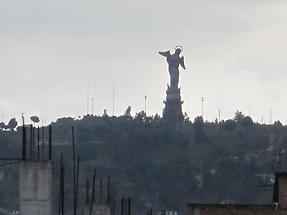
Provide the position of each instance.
(182, 62)
(165, 54)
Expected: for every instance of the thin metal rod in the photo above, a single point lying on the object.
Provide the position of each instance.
(50, 142)
(87, 191)
(280, 158)
(43, 133)
(63, 190)
(113, 98)
(24, 142)
(145, 98)
(60, 188)
(93, 192)
(92, 106)
(74, 170)
(202, 100)
(31, 143)
(123, 206)
(114, 207)
(38, 142)
(129, 206)
(108, 191)
(77, 184)
(126, 207)
(101, 189)
(88, 97)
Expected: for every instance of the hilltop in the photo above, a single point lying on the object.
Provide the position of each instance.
(162, 166)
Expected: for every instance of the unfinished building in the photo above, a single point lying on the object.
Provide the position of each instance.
(278, 207)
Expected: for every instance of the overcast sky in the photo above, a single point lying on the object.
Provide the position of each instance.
(235, 53)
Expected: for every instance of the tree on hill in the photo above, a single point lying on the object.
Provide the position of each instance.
(2, 125)
(199, 134)
(239, 116)
(229, 125)
(278, 124)
(12, 124)
(128, 112)
(35, 119)
(247, 121)
(140, 116)
(147, 158)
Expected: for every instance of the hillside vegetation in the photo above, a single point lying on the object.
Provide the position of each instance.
(162, 166)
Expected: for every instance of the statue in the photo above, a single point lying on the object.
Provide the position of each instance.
(173, 111)
(174, 60)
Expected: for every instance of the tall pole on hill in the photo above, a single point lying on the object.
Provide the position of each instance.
(219, 115)
(88, 96)
(202, 106)
(270, 116)
(113, 97)
(93, 106)
(145, 97)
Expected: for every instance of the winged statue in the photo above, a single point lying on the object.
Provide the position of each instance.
(174, 60)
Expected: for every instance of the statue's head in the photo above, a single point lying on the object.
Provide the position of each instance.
(178, 50)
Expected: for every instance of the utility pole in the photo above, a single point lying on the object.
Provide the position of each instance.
(219, 115)
(88, 96)
(92, 105)
(270, 116)
(145, 98)
(113, 98)
(280, 159)
(202, 106)
(23, 119)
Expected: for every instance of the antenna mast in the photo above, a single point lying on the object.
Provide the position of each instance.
(270, 116)
(88, 96)
(92, 105)
(202, 106)
(145, 98)
(113, 98)
(219, 113)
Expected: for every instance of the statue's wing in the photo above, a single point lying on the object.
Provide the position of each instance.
(165, 54)
(182, 62)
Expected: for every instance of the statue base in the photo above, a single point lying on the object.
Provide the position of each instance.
(173, 111)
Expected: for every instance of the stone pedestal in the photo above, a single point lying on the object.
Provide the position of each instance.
(35, 187)
(173, 111)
